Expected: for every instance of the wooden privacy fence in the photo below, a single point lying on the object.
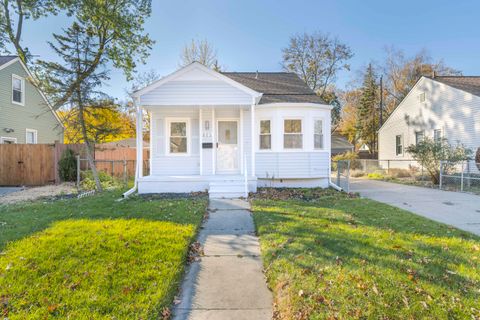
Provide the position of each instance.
(37, 164)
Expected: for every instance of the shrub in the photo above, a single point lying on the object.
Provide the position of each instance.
(357, 173)
(376, 176)
(106, 180)
(67, 166)
(429, 153)
(352, 156)
(399, 173)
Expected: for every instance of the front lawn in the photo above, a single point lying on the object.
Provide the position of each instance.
(95, 257)
(331, 256)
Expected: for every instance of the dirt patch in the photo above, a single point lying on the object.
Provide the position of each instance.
(298, 194)
(35, 193)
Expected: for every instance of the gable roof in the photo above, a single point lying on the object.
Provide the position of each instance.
(199, 66)
(7, 60)
(276, 86)
(470, 84)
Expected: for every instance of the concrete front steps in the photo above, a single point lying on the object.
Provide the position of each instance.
(227, 189)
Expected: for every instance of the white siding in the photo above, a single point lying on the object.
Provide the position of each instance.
(195, 92)
(453, 111)
(161, 162)
(289, 164)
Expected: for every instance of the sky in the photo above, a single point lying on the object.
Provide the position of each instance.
(249, 34)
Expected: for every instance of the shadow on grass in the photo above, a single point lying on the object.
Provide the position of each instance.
(355, 235)
(20, 220)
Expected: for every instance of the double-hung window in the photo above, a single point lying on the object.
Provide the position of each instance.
(31, 136)
(318, 134)
(437, 135)
(419, 136)
(292, 134)
(178, 137)
(399, 145)
(265, 135)
(18, 90)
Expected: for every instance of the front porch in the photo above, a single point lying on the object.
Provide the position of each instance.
(218, 186)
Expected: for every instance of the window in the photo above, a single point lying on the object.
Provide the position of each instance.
(265, 135)
(31, 136)
(421, 97)
(18, 90)
(318, 134)
(437, 135)
(292, 134)
(419, 136)
(8, 140)
(178, 141)
(399, 145)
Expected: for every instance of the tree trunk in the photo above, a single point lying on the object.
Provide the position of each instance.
(90, 150)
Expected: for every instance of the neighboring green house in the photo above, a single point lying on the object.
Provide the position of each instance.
(25, 115)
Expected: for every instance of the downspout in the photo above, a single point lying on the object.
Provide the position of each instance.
(139, 146)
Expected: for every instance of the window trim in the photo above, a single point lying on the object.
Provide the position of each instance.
(168, 122)
(3, 139)
(402, 144)
(260, 134)
(35, 135)
(22, 80)
(323, 134)
(301, 133)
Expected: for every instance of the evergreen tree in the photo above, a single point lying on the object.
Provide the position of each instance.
(78, 52)
(367, 122)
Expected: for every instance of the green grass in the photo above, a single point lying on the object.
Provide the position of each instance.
(337, 257)
(94, 258)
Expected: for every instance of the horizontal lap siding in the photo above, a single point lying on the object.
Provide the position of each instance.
(292, 165)
(163, 164)
(195, 93)
(453, 111)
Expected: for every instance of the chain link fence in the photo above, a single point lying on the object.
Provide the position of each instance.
(460, 176)
(341, 174)
(401, 171)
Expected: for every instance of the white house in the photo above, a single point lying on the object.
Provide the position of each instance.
(216, 131)
(437, 107)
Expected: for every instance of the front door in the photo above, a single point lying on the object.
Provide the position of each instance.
(227, 146)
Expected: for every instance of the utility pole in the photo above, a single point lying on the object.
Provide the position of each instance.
(381, 101)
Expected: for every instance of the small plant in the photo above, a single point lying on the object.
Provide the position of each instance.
(429, 153)
(67, 166)
(376, 176)
(400, 173)
(106, 180)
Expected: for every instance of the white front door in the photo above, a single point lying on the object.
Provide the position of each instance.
(227, 146)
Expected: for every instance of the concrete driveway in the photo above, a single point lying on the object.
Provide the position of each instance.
(461, 210)
(6, 190)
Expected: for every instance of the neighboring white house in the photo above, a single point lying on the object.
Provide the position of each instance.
(215, 131)
(437, 107)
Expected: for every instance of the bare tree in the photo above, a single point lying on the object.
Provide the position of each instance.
(200, 51)
(316, 58)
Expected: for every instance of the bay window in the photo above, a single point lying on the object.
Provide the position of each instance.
(318, 134)
(292, 134)
(265, 135)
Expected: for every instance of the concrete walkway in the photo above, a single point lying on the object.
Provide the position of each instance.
(461, 210)
(228, 282)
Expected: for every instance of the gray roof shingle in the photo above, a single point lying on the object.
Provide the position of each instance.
(276, 86)
(5, 59)
(470, 84)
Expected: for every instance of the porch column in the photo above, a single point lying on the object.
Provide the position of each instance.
(213, 130)
(139, 138)
(242, 151)
(252, 128)
(200, 136)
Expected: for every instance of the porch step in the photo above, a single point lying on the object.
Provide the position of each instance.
(226, 189)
